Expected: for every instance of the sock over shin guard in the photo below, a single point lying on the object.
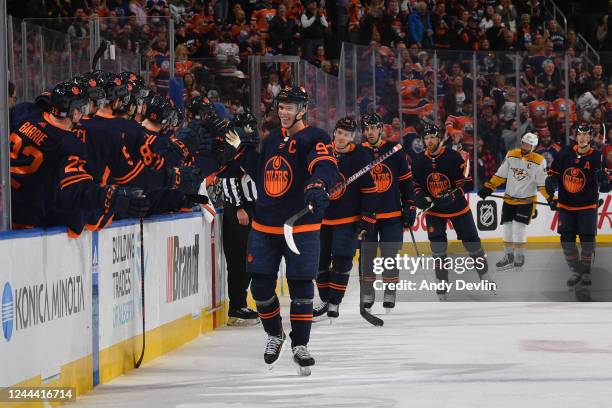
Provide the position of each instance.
(323, 282)
(340, 274)
(267, 303)
(302, 292)
(587, 246)
(570, 250)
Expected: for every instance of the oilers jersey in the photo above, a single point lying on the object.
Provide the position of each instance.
(349, 203)
(281, 171)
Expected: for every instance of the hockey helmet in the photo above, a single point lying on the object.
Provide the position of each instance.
(295, 94)
(159, 109)
(585, 128)
(114, 88)
(347, 123)
(92, 88)
(136, 87)
(245, 119)
(67, 96)
(371, 119)
(530, 139)
(431, 129)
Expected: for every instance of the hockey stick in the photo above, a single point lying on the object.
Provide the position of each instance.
(288, 225)
(369, 317)
(527, 201)
(142, 291)
(416, 248)
(98, 54)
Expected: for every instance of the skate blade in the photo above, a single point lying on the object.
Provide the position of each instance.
(238, 322)
(332, 320)
(319, 318)
(303, 371)
(271, 366)
(388, 310)
(518, 269)
(504, 268)
(442, 298)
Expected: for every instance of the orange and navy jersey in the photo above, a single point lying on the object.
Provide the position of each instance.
(461, 126)
(393, 179)
(260, 19)
(412, 90)
(48, 174)
(575, 173)
(436, 174)
(282, 170)
(359, 198)
(539, 111)
(550, 153)
(560, 109)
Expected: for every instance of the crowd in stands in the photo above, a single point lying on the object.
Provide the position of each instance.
(213, 40)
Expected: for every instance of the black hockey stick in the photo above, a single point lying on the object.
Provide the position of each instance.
(369, 317)
(416, 248)
(142, 291)
(527, 201)
(98, 54)
(288, 225)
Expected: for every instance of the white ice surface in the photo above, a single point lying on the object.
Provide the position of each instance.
(456, 355)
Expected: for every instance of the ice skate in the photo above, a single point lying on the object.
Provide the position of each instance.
(274, 349)
(506, 263)
(519, 261)
(573, 280)
(389, 301)
(302, 357)
(319, 311)
(242, 317)
(332, 312)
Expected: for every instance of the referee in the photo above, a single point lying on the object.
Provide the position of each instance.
(239, 195)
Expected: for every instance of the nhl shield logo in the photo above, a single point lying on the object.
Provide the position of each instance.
(487, 215)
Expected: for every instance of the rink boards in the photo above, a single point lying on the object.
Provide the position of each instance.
(72, 308)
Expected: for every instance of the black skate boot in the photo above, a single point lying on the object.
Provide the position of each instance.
(507, 262)
(583, 288)
(441, 292)
(574, 280)
(319, 311)
(242, 317)
(332, 312)
(389, 301)
(367, 295)
(303, 359)
(519, 261)
(274, 349)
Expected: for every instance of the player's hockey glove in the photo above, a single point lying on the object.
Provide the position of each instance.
(421, 201)
(186, 179)
(219, 126)
(552, 203)
(551, 185)
(316, 196)
(485, 192)
(126, 202)
(408, 214)
(366, 226)
(250, 137)
(446, 198)
(603, 180)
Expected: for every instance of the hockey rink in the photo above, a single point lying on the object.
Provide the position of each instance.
(428, 354)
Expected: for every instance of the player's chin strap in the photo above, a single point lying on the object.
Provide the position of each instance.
(296, 120)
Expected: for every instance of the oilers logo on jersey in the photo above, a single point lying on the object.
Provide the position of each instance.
(278, 176)
(574, 180)
(437, 183)
(382, 177)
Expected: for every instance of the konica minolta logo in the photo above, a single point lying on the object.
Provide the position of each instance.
(8, 311)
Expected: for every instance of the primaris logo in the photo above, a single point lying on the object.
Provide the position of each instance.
(8, 311)
(182, 274)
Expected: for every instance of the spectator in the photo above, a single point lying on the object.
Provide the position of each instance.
(419, 23)
(356, 13)
(589, 101)
(392, 28)
(487, 20)
(227, 54)
(138, 10)
(261, 18)
(550, 80)
(283, 31)
(601, 32)
(314, 26)
(495, 34)
(79, 28)
(508, 13)
(556, 35)
(487, 164)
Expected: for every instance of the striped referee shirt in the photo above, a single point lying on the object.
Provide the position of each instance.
(238, 190)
